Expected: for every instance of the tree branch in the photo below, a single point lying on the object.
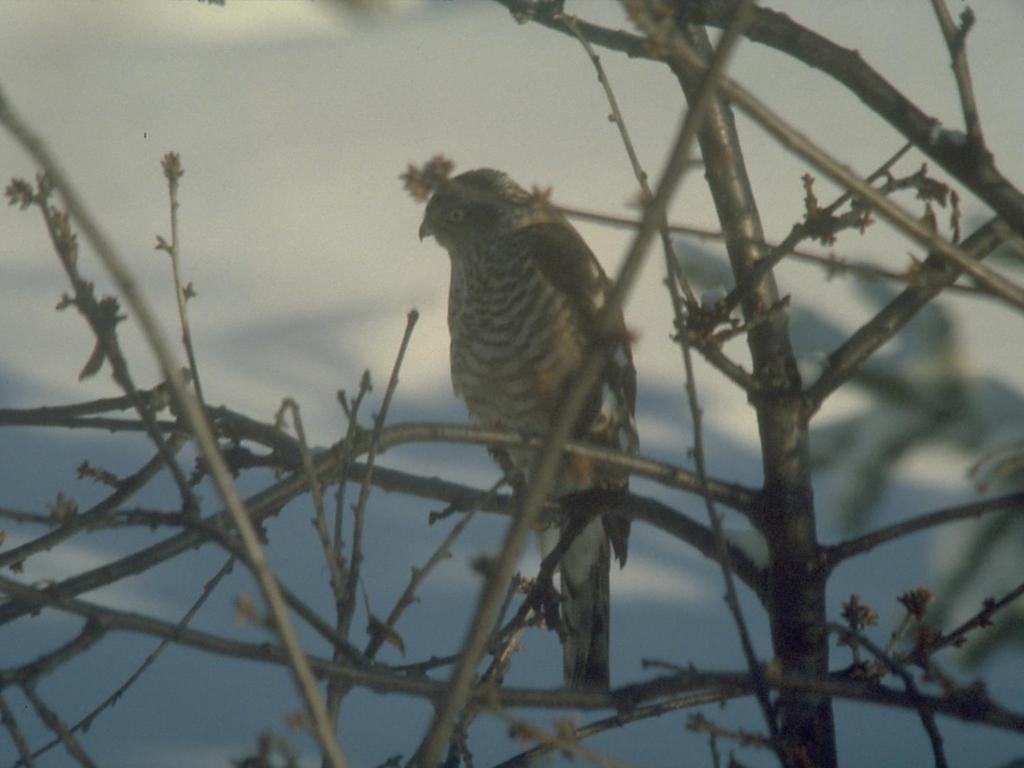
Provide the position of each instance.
(838, 553)
(969, 162)
(196, 419)
(844, 361)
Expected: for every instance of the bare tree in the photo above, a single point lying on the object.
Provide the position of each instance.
(795, 687)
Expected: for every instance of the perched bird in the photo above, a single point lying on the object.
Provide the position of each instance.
(523, 304)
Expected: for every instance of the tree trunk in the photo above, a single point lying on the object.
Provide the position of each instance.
(796, 585)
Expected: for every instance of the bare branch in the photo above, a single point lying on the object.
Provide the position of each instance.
(956, 42)
(11, 724)
(173, 172)
(364, 491)
(837, 553)
(799, 233)
(969, 162)
(98, 513)
(982, 618)
(317, 492)
(844, 361)
(623, 718)
(705, 101)
(85, 722)
(564, 739)
(196, 419)
(55, 724)
(970, 705)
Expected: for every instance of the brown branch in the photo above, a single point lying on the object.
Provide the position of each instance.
(364, 491)
(900, 218)
(157, 396)
(855, 639)
(983, 179)
(98, 513)
(193, 414)
(982, 618)
(102, 316)
(565, 740)
(796, 592)
(85, 722)
(847, 358)
(173, 172)
(702, 97)
(237, 426)
(969, 162)
(838, 553)
(700, 537)
(972, 165)
(316, 490)
(627, 144)
(11, 724)
(51, 660)
(351, 409)
(968, 705)
(625, 717)
(270, 500)
(956, 42)
(831, 264)
(55, 724)
(799, 233)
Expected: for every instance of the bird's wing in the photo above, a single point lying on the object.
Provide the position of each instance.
(558, 252)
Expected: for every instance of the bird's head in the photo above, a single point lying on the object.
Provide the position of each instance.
(475, 207)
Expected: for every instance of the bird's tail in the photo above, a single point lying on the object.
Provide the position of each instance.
(586, 607)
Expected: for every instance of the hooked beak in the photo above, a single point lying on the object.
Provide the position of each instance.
(425, 229)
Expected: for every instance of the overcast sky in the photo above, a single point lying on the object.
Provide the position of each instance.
(293, 122)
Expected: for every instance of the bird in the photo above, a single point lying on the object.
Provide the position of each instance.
(524, 299)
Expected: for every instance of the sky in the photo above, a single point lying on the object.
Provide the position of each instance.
(293, 122)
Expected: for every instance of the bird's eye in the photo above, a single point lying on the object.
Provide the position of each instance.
(456, 215)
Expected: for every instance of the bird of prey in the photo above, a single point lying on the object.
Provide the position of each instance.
(523, 303)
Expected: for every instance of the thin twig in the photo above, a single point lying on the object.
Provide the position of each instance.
(364, 492)
(866, 340)
(926, 715)
(738, 497)
(714, 72)
(798, 234)
(627, 143)
(173, 172)
(126, 489)
(87, 637)
(317, 492)
(838, 553)
(831, 263)
(677, 279)
(900, 218)
(85, 722)
(625, 717)
(352, 414)
(55, 724)
(345, 603)
(956, 42)
(195, 417)
(271, 499)
(563, 739)
(981, 176)
(102, 317)
(977, 707)
(418, 575)
(982, 618)
(11, 724)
